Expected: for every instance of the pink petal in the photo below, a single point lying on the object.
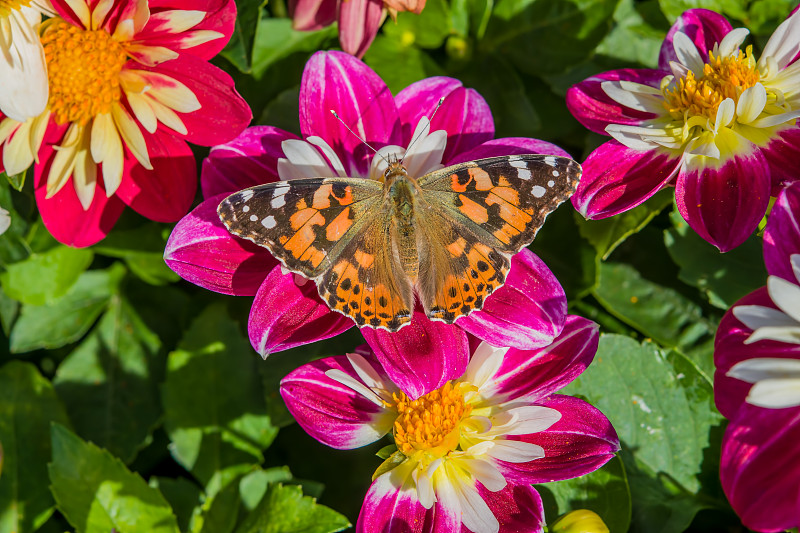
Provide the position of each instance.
(311, 15)
(759, 467)
(725, 205)
(338, 81)
(201, 251)
(391, 505)
(331, 412)
(704, 27)
(593, 108)
(223, 115)
(64, 216)
(527, 312)
(782, 235)
(617, 178)
(518, 508)
(464, 114)
(359, 21)
(729, 349)
(63, 10)
(508, 146)
(285, 315)
(165, 193)
(248, 160)
(220, 17)
(422, 356)
(530, 375)
(582, 441)
(783, 156)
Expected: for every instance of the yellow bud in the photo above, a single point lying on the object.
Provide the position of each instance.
(580, 521)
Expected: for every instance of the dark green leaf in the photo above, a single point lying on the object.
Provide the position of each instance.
(28, 404)
(9, 309)
(284, 509)
(44, 277)
(68, 318)
(107, 382)
(213, 402)
(239, 50)
(98, 494)
(17, 181)
(184, 497)
(253, 486)
(673, 8)
(143, 251)
(275, 39)
(426, 30)
(604, 491)
(632, 40)
(219, 512)
(416, 64)
(723, 278)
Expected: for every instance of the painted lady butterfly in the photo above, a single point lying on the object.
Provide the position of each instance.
(369, 246)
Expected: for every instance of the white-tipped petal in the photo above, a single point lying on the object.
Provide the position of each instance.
(784, 43)
(132, 135)
(725, 114)
(370, 377)
(751, 103)
(64, 160)
(761, 368)
(106, 147)
(142, 111)
(425, 150)
(5, 220)
(635, 96)
(84, 178)
(732, 41)
(687, 53)
(333, 159)
(167, 117)
(775, 393)
(23, 70)
(631, 136)
(303, 160)
(758, 316)
(424, 483)
(17, 153)
(525, 420)
(484, 364)
(514, 451)
(380, 162)
(177, 20)
(352, 383)
(794, 259)
(786, 296)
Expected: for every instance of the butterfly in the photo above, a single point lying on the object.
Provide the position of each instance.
(370, 245)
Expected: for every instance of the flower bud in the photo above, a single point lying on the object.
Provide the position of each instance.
(580, 521)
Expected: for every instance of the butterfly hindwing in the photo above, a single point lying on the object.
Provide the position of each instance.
(482, 212)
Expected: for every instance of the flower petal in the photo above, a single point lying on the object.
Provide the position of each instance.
(165, 193)
(528, 375)
(784, 43)
(783, 155)
(582, 441)
(704, 27)
(391, 504)
(331, 412)
(248, 160)
(340, 82)
(359, 21)
(285, 315)
(782, 235)
(201, 251)
(527, 312)
(518, 508)
(509, 146)
(595, 109)
(312, 15)
(422, 356)
(223, 114)
(464, 114)
(617, 178)
(64, 216)
(724, 205)
(23, 70)
(758, 467)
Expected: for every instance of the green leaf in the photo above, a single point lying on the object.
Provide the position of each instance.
(254, 485)
(68, 318)
(9, 310)
(97, 493)
(632, 40)
(44, 277)
(605, 235)
(662, 408)
(284, 509)
(673, 8)
(219, 512)
(17, 181)
(547, 36)
(108, 384)
(28, 404)
(604, 491)
(723, 278)
(239, 49)
(426, 30)
(416, 64)
(214, 410)
(184, 497)
(143, 251)
(275, 39)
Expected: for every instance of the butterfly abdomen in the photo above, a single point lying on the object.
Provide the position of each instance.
(402, 196)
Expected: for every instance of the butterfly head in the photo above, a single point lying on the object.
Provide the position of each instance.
(394, 170)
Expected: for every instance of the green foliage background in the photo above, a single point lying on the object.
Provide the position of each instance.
(132, 401)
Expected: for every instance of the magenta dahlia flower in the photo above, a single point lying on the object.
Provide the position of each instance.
(713, 120)
(129, 84)
(527, 312)
(359, 20)
(469, 443)
(757, 382)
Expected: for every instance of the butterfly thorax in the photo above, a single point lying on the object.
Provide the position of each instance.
(402, 195)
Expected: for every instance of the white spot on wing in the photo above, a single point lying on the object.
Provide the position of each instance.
(514, 157)
(245, 208)
(517, 163)
(556, 173)
(550, 160)
(538, 191)
(278, 201)
(269, 222)
(524, 173)
(246, 195)
(551, 183)
(253, 218)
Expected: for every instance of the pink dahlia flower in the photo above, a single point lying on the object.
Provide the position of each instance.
(713, 120)
(757, 382)
(470, 444)
(359, 20)
(527, 312)
(129, 84)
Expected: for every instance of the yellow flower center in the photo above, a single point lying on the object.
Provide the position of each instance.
(430, 421)
(83, 69)
(723, 77)
(6, 6)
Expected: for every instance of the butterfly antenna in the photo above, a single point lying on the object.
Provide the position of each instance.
(415, 139)
(335, 114)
